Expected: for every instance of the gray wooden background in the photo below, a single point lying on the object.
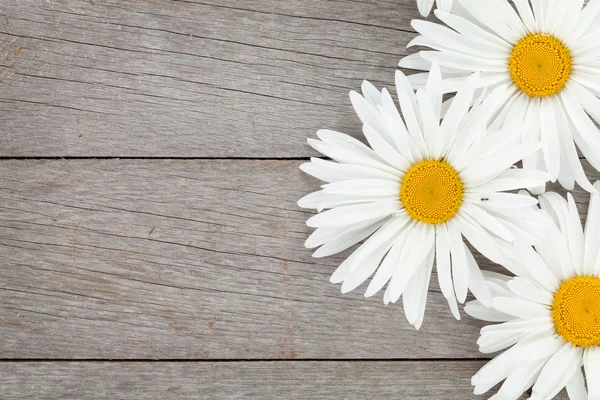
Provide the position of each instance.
(150, 242)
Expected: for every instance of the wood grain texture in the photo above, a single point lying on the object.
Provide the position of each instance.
(185, 259)
(202, 259)
(245, 380)
(162, 78)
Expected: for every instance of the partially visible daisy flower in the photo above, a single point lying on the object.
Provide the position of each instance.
(425, 6)
(418, 190)
(550, 312)
(550, 58)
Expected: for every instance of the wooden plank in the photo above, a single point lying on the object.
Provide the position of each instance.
(240, 380)
(159, 78)
(201, 259)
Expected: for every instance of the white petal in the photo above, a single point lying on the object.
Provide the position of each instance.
(463, 62)
(330, 171)
(424, 6)
(481, 172)
(430, 123)
(504, 364)
(565, 178)
(489, 222)
(576, 387)
(403, 140)
(549, 134)
(531, 266)
(568, 151)
(323, 235)
(468, 29)
(557, 372)
(526, 14)
(513, 179)
(529, 291)
(445, 5)
(442, 38)
(492, 343)
(385, 150)
(442, 255)
(346, 240)
(367, 267)
(383, 237)
(389, 265)
(541, 347)
(311, 200)
(341, 272)
(370, 115)
(503, 200)
(478, 237)
(575, 235)
(434, 91)
(351, 151)
(586, 134)
(591, 362)
(477, 310)
(414, 252)
(415, 61)
(477, 282)
(495, 17)
(338, 200)
(555, 249)
(370, 93)
(519, 380)
(524, 326)
(485, 147)
(476, 122)
(460, 269)
(592, 234)
(524, 223)
(363, 187)
(587, 17)
(408, 105)
(457, 111)
(500, 17)
(353, 214)
(414, 298)
(519, 307)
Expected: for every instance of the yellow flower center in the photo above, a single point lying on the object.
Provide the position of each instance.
(431, 191)
(540, 65)
(576, 311)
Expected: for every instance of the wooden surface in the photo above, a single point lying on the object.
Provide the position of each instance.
(174, 266)
(199, 259)
(220, 78)
(240, 380)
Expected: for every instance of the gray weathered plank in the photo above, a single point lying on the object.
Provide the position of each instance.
(175, 259)
(240, 380)
(189, 79)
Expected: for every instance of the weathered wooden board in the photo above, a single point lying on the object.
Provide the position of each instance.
(240, 380)
(170, 259)
(163, 78)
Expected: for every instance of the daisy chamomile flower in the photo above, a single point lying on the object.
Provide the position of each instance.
(550, 312)
(425, 6)
(549, 55)
(417, 190)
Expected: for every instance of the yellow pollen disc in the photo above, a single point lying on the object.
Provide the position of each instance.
(576, 311)
(540, 65)
(431, 191)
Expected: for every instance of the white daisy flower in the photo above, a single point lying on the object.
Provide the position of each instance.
(550, 312)
(425, 6)
(420, 187)
(550, 58)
